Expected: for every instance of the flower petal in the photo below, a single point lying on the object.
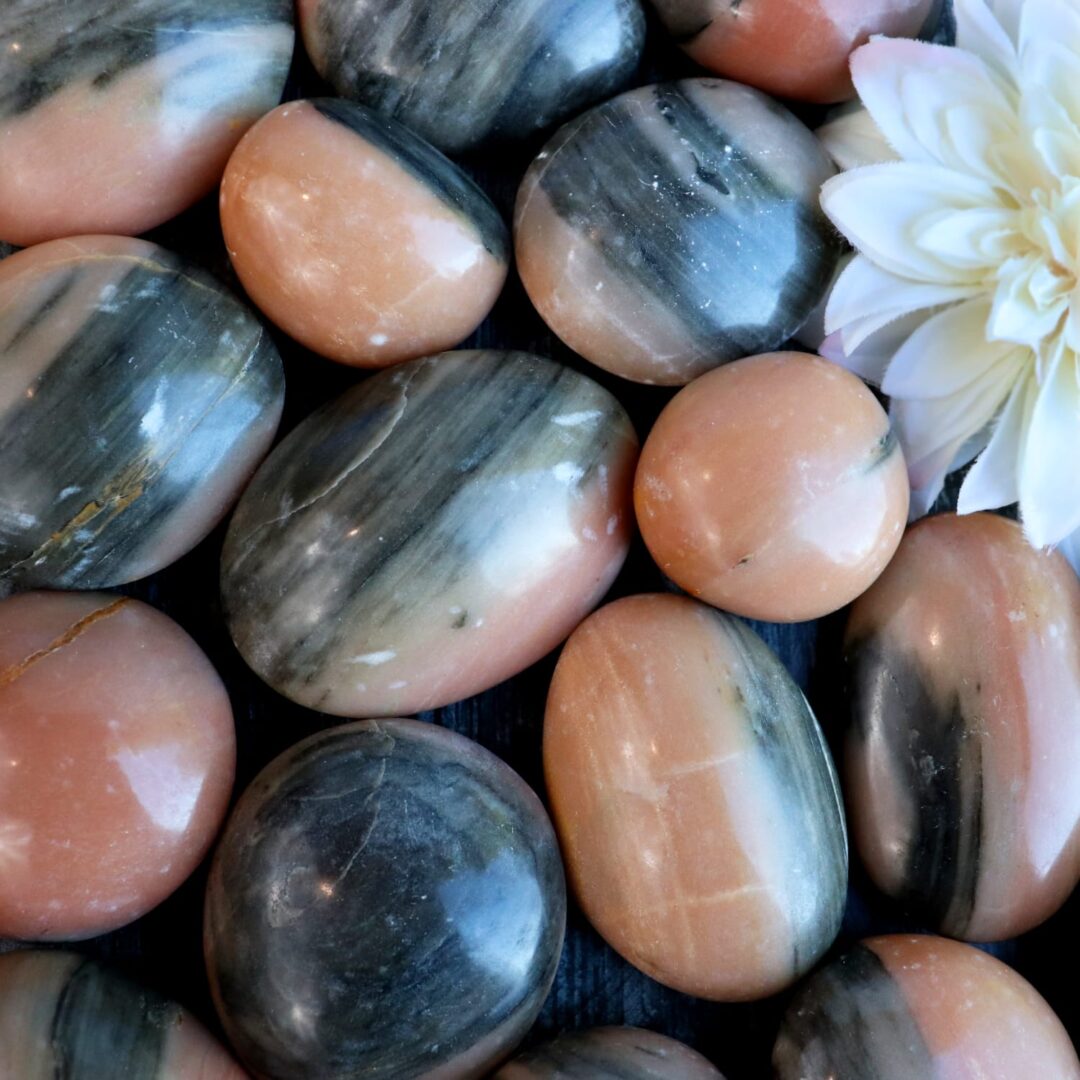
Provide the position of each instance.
(1050, 460)
(990, 32)
(853, 139)
(950, 352)
(1070, 548)
(871, 358)
(881, 208)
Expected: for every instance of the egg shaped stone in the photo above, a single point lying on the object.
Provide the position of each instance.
(63, 1015)
(358, 238)
(117, 754)
(387, 902)
(137, 396)
(465, 73)
(430, 533)
(900, 1007)
(675, 228)
(773, 487)
(694, 798)
(962, 755)
(116, 116)
(611, 1053)
(791, 48)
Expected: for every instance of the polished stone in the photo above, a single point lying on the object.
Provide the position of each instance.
(136, 398)
(117, 753)
(675, 228)
(613, 1053)
(773, 488)
(462, 73)
(387, 902)
(115, 115)
(64, 1017)
(791, 48)
(963, 754)
(358, 238)
(916, 1008)
(695, 799)
(430, 533)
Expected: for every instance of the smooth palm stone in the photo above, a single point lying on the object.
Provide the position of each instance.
(695, 799)
(462, 73)
(115, 115)
(65, 1016)
(387, 902)
(773, 487)
(614, 1053)
(920, 1008)
(791, 48)
(137, 396)
(358, 238)
(430, 533)
(117, 755)
(962, 758)
(675, 228)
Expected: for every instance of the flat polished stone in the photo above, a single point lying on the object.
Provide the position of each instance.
(117, 754)
(613, 1053)
(675, 228)
(137, 396)
(65, 1016)
(358, 238)
(695, 799)
(963, 754)
(773, 487)
(464, 73)
(791, 48)
(387, 902)
(384, 558)
(916, 1008)
(115, 115)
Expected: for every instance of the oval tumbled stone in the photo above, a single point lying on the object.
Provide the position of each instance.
(137, 395)
(694, 798)
(387, 902)
(430, 533)
(962, 758)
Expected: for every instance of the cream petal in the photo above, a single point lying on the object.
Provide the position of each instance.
(993, 480)
(1043, 21)
(852, 139)
(1024, 311)
(991, 33)
(871, 358)
(1050, 458)
(880, 208)
(977, 239)
(949, 353)
(1050, 109)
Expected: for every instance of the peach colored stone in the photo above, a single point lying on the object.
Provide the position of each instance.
(117, 754)
(694, 799)
(791, 48)
(964, 752)
(773, 487)
(356, 238)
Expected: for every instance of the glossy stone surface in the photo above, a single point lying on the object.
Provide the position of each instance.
(962, 756)
(694, 798)
(612, 1053)
(791, 48)
(462, 73)
(136, 398)
(773, 488)
(64, 1016)
(383, 559)
(115, 115)
(675, 228)
(901, 1008)
(117, 753)
(387, 902)
(356, 237)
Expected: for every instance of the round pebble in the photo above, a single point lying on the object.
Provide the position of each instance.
(357, 238)
(117, 753)
(773, 488)
(387, 901)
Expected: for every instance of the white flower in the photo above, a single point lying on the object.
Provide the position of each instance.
(962, 200)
